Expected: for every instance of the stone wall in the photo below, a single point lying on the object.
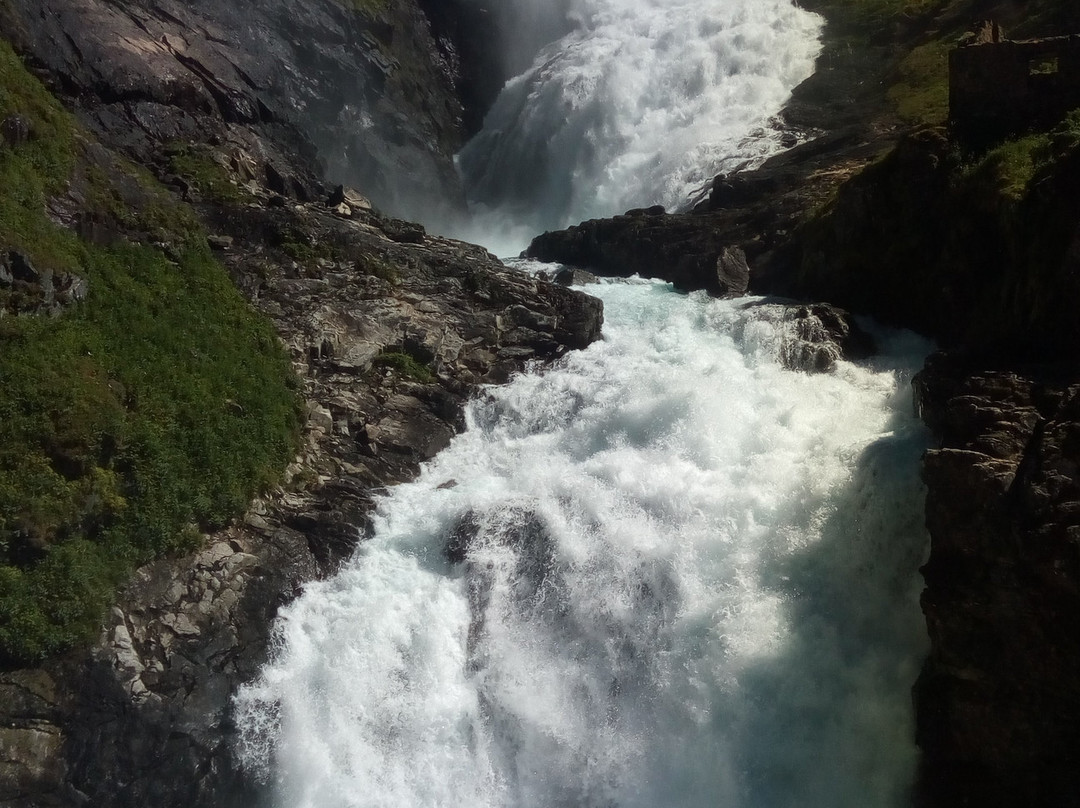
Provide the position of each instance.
(1001, 87)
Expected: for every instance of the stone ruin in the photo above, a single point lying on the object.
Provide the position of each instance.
(999, 87)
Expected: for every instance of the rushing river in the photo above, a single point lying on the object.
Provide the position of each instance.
(665, 572)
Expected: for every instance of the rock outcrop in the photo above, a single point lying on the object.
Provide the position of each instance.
(362, 87)
(24, 289)
(736, 240)
(998, 699)
(244, 111)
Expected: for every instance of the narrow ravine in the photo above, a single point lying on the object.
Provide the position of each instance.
(664, 572)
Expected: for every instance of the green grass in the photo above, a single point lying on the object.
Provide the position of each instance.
(197, 165)
(919, 89)
(407, 365)
(1008, 169)
(153, 409)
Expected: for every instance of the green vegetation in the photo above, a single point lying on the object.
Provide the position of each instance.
(153, 409)
(906, 43)
(407, 365)
(197, 165)
(919, 91)
(1007, 170)
(380, 268)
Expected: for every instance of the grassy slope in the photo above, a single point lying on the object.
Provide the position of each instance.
(154, 408)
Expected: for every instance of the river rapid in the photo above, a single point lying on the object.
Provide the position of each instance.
(665, 572)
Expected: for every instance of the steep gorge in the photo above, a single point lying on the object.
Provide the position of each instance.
(157, 688)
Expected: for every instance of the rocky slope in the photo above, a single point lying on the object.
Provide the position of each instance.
(361, 90)
(243, 113)
(390, 331)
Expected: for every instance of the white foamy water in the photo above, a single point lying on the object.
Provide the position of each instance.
(663, 573)
(685, 576)
(643, 103)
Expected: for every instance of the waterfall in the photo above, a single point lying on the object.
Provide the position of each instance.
(642, 103)
(664, 572)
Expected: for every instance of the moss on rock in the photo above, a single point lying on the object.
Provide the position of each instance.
(158, 404)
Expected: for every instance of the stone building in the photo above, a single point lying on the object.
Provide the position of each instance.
(999, 87)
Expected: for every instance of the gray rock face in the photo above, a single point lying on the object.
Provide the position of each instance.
(27, 290)
(369, 92)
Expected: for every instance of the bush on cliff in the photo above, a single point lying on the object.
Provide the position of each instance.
(154, 407)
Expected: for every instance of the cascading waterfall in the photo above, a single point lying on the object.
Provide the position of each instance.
(642, 103)
(663, 573)
(666, 572)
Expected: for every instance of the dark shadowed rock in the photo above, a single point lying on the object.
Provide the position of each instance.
(30, 291)
(732, 272)
(15, 130)
(999, 698)
(572, 276)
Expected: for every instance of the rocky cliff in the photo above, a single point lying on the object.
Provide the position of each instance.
(252, 119)
(360, 90)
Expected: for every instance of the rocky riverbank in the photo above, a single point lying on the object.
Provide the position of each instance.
(390, 333)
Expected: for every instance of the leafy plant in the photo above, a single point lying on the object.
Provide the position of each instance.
(407, 365)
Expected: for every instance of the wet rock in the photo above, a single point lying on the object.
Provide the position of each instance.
(365, 90)
(732, 272)
(572, 276)
(736, 241)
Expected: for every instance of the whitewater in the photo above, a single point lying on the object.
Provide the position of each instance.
(664, 572)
